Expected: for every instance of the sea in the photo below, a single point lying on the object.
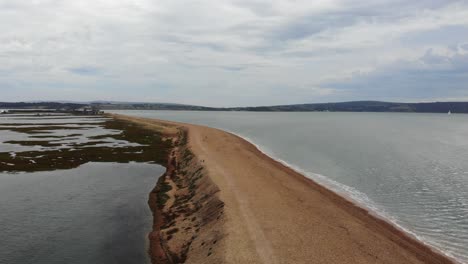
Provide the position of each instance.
(408, 168)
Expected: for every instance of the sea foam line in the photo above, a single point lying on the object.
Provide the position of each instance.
(353, 195)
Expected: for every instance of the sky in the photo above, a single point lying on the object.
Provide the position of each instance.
(234, 52)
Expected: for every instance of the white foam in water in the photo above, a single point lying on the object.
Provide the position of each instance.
(412, 179)
(355, 196)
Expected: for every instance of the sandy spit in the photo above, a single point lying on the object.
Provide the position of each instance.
(274, 214)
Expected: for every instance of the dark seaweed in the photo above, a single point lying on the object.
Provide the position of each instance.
(154, 149)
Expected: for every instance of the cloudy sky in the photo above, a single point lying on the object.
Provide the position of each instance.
(233, 52)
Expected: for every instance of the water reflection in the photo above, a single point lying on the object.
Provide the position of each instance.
(96, 213)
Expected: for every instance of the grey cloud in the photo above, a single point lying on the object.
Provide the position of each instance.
(316, 53)
(258, 7)
(349, 15)
(431, 58)
(189, 42)
(309, 25)
(227, 51)
(85, 70)
(446, 35)
(233, 68)
(419, 79)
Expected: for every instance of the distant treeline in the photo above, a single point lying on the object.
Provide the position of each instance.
(41, 105)
(154, 106)
(369, 106)
(357, 106)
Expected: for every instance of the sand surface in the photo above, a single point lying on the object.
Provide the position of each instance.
(275, 215)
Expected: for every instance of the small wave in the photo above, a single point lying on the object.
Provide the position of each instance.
(353, 195)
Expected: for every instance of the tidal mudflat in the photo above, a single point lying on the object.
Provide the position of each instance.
(74, 189)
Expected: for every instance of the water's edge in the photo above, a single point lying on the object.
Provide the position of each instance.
(199, 212)
(348, 194)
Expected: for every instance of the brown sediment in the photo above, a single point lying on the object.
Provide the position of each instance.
(153, 148)
(187, 213)
(268, 213)
(43, 129)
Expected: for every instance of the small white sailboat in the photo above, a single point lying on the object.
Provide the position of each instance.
(449, 112)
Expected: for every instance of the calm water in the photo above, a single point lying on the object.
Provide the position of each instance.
(96, 213)
(409, 168)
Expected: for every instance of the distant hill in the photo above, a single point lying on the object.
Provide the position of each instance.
(152, 106)
(368, 106)
(40, 105)
(356, 106)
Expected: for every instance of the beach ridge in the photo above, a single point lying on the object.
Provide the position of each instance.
(274, 214)
(187, 213)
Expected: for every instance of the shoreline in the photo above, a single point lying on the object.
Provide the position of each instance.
(358, 219)
(185, 205)
(349, 198)
(355, 207)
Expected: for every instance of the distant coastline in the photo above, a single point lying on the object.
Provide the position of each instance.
(354, 106)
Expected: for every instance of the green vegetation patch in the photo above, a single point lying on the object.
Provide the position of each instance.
(153, 149)
(55, 136)
(161, 191)
(41, 143)
(44, 129)
(50, 124)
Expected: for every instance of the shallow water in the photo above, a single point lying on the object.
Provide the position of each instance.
(96, 213)
(5, 119)
(69, 132)
(410, 168)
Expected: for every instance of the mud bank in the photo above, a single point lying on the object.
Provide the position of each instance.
(187, 212)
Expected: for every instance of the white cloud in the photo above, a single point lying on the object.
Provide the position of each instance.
(226, 52)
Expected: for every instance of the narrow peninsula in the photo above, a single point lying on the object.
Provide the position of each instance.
(222, 200)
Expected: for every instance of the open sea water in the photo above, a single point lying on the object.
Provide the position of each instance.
(411, 169)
